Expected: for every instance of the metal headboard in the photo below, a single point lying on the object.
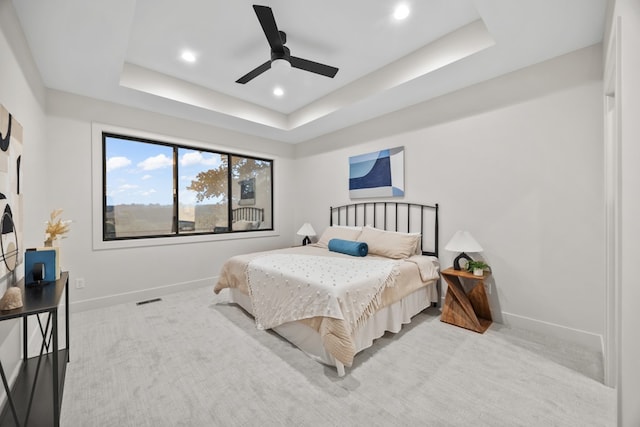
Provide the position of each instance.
(393, 216)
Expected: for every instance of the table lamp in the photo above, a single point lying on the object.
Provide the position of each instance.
(462, 242)
(306, 230)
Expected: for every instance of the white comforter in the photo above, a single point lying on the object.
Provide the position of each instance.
(285, 288)
(414, 273)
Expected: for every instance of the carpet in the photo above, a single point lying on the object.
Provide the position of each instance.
(193, 359)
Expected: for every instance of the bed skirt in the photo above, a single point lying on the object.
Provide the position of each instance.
(390, 318)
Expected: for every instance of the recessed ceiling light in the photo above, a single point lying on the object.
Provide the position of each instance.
(188, 56)
(278, 91)
(401, 11)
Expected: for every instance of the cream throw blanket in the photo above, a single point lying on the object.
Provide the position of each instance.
(285, 288)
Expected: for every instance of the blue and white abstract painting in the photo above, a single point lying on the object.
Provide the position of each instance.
(377, 174)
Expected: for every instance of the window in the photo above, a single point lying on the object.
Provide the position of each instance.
(157, 189)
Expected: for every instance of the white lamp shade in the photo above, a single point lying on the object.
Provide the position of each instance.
(306, 230)
(463, 241)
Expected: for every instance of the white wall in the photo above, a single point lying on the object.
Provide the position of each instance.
(22, 94)
(530, 141)
(136, 273)
(532, 151)
(627, 14)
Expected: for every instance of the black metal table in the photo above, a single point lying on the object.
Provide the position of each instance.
(36, 396)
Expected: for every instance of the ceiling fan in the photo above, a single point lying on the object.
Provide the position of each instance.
(279, 51)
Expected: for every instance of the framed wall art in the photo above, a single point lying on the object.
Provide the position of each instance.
(377, 174)
(10, 196)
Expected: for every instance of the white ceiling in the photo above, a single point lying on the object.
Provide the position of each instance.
(128, 52)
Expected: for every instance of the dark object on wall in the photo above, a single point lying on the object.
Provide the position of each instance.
(279, 52)
(7, 220)
(18, 162)
(247, 192)
(8, 245)
(5, 139)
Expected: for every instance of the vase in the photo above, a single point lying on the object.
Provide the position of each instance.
(48, 243)
(478, 272)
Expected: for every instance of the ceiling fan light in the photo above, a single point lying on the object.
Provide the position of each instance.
(280, 64)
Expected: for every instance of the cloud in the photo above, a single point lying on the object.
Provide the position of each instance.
(156, 162)
(145, 177)
(124, 188)
(149, 192)
(196, 158)
(117, 162)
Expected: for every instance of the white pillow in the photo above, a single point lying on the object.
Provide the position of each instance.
(390, 244)
(338, 232)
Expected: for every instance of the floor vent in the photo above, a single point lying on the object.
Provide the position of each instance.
(148, 301)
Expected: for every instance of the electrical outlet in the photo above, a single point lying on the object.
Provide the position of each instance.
(80, 283)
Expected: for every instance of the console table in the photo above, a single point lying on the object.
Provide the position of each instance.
(36, 396)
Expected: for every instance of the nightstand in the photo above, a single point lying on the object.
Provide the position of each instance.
(468, 310)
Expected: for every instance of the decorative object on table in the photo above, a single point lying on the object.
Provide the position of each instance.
(11, 299)
(306, 230)
(56, 228)
(462, 242)
(41, 266)
(478, 267)
(377, 174)
(11, 200)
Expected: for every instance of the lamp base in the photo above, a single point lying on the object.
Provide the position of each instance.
(306, 241)
(456, 262)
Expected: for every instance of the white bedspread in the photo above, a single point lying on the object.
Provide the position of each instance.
(290, 287)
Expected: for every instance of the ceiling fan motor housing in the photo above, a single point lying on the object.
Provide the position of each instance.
(286, 55)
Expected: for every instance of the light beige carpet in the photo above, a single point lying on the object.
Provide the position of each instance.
(193, 360)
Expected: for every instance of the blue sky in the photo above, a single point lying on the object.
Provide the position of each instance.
(139, 172)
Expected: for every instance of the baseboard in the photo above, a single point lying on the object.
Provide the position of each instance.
(590, 341)
(146, 294)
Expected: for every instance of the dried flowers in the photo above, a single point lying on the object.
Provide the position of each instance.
(56, 228)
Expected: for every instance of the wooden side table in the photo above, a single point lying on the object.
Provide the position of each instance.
(467, 310)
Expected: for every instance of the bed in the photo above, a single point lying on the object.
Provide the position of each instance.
(242, 219)
(331, 304)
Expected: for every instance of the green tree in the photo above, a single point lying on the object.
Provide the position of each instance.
(213, 182)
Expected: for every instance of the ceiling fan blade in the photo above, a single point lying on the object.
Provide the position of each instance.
(268, 23)
(314, 67)
(254, 73)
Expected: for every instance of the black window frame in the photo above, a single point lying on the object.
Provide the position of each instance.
(176, 227)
